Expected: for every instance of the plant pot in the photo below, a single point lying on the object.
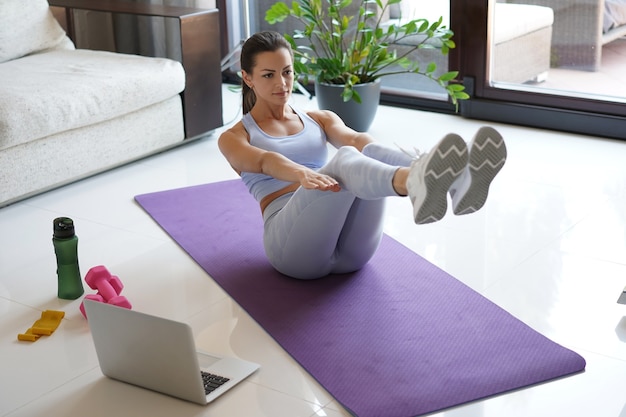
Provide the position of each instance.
(357, 116)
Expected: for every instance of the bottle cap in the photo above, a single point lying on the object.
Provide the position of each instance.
(63, 227)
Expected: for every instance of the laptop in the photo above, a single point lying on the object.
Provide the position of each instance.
(159, 354)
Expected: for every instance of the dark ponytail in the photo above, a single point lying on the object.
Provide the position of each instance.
(268, 41)
(249, 98)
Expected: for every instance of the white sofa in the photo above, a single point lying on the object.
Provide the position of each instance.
(522, 37)
(68, 113)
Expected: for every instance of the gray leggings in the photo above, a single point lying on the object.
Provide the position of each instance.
(310, 233)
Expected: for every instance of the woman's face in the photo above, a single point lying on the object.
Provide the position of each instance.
(272, 76)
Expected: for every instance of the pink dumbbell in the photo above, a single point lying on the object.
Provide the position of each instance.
(109, 288)
(95, 297)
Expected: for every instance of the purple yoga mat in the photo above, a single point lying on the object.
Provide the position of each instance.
(399, 338)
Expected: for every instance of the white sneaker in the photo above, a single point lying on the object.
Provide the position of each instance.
(432, 174)
(487, 154)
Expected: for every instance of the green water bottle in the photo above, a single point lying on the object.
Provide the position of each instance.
(65, 244)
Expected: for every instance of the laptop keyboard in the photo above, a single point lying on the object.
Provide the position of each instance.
(212, 381)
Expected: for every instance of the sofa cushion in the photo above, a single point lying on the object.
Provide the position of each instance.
(515, 20)
(27, 27)
(59, 90)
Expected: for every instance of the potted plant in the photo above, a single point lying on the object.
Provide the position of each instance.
(348, 45)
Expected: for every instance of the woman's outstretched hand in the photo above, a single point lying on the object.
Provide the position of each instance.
(313, 180)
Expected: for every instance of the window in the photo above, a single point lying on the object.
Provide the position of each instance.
(559, 95)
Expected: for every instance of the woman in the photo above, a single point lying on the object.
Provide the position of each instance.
(322, 217)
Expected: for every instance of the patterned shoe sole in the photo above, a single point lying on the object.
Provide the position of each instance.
(487, 155)
(446, 162)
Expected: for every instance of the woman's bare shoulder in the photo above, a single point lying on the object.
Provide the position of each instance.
(237, 131)
(321, 115)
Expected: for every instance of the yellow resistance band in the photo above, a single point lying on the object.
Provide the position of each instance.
(45, 326)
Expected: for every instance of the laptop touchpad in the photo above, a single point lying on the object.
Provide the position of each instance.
(205, 360)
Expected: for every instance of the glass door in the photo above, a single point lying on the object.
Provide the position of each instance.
(567, 47)
(548, 63)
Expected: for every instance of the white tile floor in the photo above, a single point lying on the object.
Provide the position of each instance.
(549, 247)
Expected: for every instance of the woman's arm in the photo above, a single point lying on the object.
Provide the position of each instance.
(242, 156)
(337, 132)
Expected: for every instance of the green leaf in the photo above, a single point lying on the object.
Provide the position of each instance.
(295, 6)
(345, 23)
(448, 76)
(350, 94)
(345, 3)
(277, 13)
